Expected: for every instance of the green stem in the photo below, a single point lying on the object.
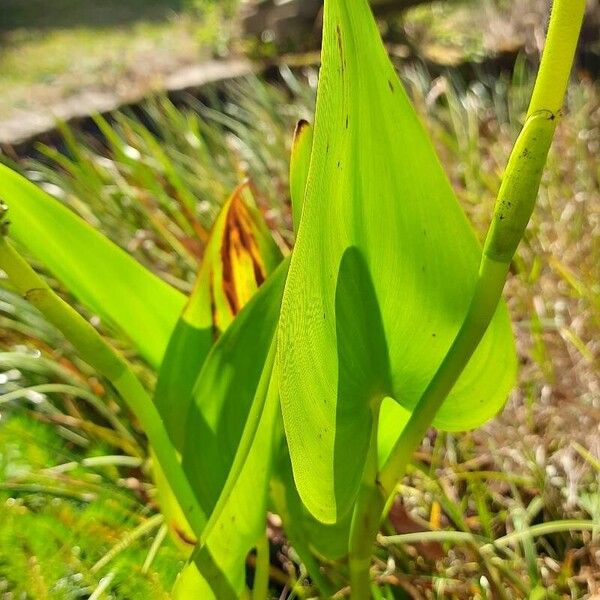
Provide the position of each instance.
(103, 585)
(516, 200)
(365, 520)
(154, 548)
(49, 490)
(140, 531)
(94, 350)
(144, 409)
(559, 52)
(260, 589)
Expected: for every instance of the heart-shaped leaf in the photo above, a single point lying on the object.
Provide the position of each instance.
(381, 277)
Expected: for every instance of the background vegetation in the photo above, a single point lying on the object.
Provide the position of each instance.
(77, 511)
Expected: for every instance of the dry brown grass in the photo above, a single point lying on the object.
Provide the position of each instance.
(538, 461)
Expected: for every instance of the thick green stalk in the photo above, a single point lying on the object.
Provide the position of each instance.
(365, 520)
(516, 200)
(557, 59)
(94, 350)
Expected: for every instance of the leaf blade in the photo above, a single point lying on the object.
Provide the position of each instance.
(99, 273)
(240, 255)
(299, 167)
(390, 203)
(226, 394)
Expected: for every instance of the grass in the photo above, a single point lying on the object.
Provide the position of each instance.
(513, 491)
(71, 476)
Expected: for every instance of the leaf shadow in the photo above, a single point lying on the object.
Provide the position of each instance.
(364, 375)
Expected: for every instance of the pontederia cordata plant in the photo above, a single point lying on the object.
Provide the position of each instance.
(303, 385)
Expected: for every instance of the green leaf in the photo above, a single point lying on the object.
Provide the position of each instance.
(305, 533)
(229, 443)
(240, 255)
(308, 535)
(381, 276)
(101, 275)
(218, 567)
(180, 530)
(392, 420)
(299, 167)
(225, 391)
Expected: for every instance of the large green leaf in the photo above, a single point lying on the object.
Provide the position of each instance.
(381, 276)
(101, 275)
(239, 256)
(229, 439)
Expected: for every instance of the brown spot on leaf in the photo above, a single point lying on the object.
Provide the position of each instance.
(182, 535)
(300, 127)
(213, 307)
(239, 240)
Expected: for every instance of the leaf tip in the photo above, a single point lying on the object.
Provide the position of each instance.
(300, 127)
(4, 222)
